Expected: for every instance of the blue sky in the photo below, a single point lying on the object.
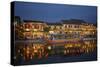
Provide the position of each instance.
(55, 12)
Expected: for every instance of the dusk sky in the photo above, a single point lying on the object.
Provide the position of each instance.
(55, 12)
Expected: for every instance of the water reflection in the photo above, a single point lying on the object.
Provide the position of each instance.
(35, 50)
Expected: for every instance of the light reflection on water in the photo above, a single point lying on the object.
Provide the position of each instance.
(29, 51)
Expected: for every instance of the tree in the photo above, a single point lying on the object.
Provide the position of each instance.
(46, 29)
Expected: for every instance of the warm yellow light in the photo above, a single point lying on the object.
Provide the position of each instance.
(35, 29)
(51, 32)
(27, 29)
(35, 51)
(49, 47)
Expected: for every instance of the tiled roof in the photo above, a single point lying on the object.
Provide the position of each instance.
(73, 21)
(35, 21)
(54, 23)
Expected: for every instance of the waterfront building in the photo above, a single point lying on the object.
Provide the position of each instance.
(30, 29)
(33, 29)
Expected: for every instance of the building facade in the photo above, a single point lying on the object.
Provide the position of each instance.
(29, 29)
(33, 29)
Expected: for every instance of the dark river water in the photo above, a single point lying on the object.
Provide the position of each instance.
(37, 52)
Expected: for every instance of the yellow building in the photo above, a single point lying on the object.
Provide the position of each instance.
(89, 29)
(33, 29)
(55, 28)
(79, 27)
(36, 29)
